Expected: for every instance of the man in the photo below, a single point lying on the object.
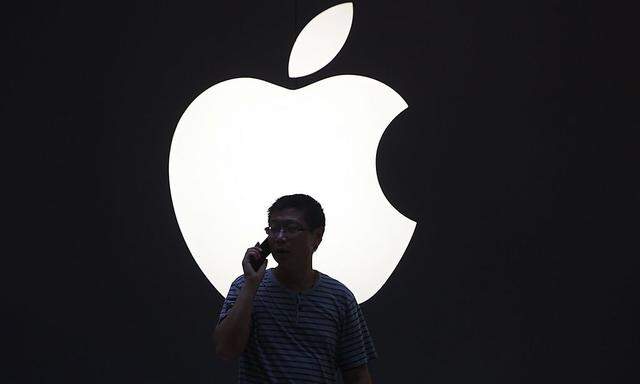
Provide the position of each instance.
(293, 324)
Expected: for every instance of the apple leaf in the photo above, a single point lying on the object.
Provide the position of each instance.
(320, 40)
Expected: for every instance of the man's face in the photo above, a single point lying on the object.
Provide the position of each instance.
(292, 242)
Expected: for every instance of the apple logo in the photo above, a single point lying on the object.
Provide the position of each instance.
(244, 142)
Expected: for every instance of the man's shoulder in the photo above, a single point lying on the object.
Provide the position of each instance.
(238, 282)
(336, 287)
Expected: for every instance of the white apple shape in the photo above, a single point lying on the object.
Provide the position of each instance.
(245, 142)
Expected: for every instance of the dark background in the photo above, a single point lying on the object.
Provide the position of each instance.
(518, 157)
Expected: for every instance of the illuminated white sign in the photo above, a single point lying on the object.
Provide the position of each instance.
(245, 142)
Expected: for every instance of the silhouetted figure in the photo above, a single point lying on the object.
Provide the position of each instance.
(293, 323)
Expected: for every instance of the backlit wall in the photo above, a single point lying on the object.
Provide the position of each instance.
(515, 163)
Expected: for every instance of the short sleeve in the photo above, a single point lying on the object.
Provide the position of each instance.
(355, 346)
(230, 300)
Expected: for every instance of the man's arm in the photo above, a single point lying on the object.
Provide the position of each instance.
(232, 333)
(357, 375)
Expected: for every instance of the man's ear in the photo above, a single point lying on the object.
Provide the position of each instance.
(317, 237)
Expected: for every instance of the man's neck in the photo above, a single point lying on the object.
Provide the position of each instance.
(296, 280)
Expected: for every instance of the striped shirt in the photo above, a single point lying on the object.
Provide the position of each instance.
(301, 337)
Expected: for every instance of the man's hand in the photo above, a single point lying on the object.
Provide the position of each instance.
(252, 276)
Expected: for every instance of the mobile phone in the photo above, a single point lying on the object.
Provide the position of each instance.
(266, 250)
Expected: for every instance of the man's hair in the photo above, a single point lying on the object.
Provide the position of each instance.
(311, 209)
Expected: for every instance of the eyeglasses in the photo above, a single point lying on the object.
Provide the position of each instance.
(287, 230)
